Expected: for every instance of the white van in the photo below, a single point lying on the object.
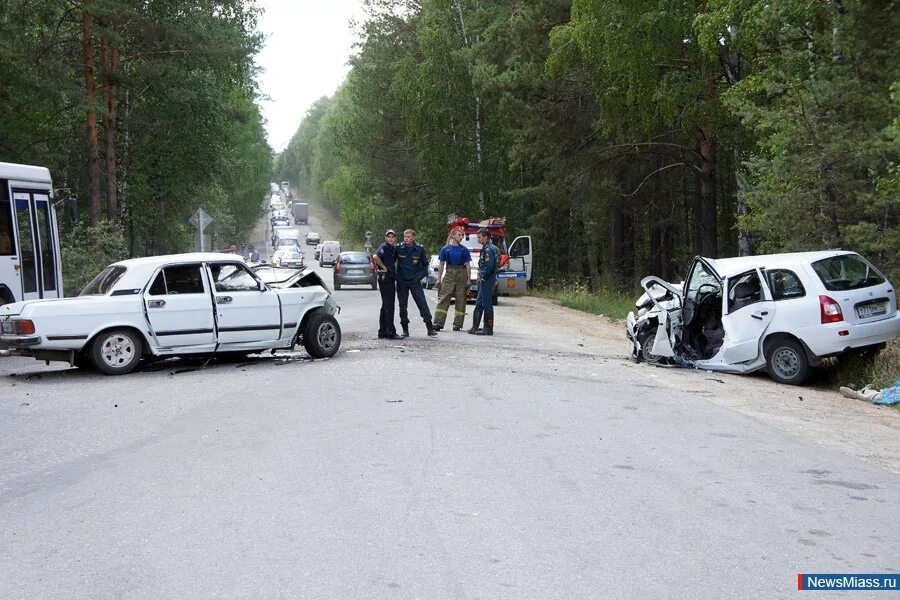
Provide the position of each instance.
(331, 249)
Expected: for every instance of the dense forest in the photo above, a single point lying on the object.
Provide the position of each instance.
(143, 111)
(625, 137)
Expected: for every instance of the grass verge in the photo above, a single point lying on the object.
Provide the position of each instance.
(881, 370)
(612, 304)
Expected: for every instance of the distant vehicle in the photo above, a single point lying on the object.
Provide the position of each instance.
(179, 304)
(29, 242)
(280, 220)
(781, 312)
(330, 251)
(318, 251)
(355, 268)
(313, 238)
(292, 257)
(286, 236)
(430, 280)
(285, 187)
(301, 213)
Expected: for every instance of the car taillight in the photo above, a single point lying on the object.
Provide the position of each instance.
(371, 265)
(337, 266)
(830, 310)
(19, 326)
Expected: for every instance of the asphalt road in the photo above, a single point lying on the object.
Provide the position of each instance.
(456, 467)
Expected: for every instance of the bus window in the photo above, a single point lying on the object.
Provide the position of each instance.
(6, 229)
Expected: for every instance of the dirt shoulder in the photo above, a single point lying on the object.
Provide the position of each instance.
(823, 417)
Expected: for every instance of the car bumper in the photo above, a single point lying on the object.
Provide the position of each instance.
(355, 279)
(827, 341)
(19, 341)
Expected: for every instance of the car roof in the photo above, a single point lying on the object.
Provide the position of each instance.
(139, 270)
(727, 267)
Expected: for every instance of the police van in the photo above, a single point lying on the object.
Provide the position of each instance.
(29, 240)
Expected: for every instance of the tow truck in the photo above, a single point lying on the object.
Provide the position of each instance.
(516, 259)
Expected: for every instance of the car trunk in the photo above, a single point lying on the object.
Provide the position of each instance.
(862, 293)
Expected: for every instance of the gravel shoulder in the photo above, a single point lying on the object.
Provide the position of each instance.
(823, 417)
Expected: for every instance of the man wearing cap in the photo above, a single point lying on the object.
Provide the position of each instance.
(412, 266)
(386, 262)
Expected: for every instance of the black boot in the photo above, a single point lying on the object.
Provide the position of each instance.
(488, 327)
(405, 328)
(430, 328)
(476, 320)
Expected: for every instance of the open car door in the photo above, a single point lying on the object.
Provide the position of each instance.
(521, 248)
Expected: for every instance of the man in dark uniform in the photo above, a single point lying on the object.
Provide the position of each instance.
(386, 260)
(488, 263)
(412, 266)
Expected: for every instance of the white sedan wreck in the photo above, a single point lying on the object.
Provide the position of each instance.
(180, 304)
(781, 312)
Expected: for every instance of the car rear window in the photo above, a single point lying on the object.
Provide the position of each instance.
(103, 282)
(847, 272)
(355, 258)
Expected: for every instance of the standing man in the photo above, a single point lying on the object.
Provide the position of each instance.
(457, 259)
(252, 254)
(412, 266)
(488, 263)
(386, 261)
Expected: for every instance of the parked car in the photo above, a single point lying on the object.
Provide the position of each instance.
(318, 253)
(355, 268)
(781, 312)
(430, 280)
(329, 254)
(291, 257)
(179, 304)
(312, 238)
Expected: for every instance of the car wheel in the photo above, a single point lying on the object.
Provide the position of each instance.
(646, 342)
(117, 351)
(787, 362)
(322, 336)
(374, 285)
(337, 286)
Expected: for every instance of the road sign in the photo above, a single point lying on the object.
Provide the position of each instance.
(201, 219)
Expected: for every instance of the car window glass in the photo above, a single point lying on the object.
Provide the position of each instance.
(702, 281)
(184, 280)
(159, 285)
(360, 259)
(847, 272)
(103, 282)
(785, 284)
(233, 278)
(743, 290)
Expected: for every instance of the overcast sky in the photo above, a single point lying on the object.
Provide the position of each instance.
(305, 57)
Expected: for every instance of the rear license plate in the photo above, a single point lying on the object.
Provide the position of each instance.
(357, 272)
(874, 309)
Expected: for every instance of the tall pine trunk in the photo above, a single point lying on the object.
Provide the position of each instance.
(87, 31)
(110, 79)
(707, 206)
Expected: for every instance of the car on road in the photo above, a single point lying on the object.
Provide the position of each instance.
(180, 304)
(781, 312)
(430, 279)
(290, 257)
(355, 268)
(328, 256)
(318, 251)
(313, 238)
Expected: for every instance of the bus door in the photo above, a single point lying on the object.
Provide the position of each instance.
(36, 245)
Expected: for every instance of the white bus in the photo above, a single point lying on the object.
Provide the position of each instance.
(29, 239)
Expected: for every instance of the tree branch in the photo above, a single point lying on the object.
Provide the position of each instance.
(681, 164)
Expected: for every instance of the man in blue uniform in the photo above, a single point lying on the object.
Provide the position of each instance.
(386, 260)
(453, 280)
(412, 266)
(488, 263)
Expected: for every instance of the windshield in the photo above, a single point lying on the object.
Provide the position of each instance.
(847, 272)
(360, 258)
(103, 282)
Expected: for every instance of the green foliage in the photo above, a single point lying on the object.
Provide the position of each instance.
(87, 250)
(610, 303)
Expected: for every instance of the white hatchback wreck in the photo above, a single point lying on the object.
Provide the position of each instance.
(201, 303)
(782, 312)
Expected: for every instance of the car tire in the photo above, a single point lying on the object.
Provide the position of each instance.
(337, 286)
(322, 335)
(375, 285)
(646, 341)
(117, 351)
(786, 361)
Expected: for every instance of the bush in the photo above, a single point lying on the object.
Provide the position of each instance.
(86, 250)
(881, 370)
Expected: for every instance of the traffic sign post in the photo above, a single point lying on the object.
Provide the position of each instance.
(201, 220)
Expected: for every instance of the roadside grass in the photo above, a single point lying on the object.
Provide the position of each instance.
(609, 303)
(881, 370)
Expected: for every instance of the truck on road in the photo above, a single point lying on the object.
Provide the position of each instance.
(301, 213)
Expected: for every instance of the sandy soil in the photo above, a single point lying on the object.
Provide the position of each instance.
(866, 431)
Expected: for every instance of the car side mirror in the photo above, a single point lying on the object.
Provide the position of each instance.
(261, 286)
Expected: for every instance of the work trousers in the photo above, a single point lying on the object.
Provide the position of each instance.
(485, 300)
(388, 289)
(404, 289)
(455, 285)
